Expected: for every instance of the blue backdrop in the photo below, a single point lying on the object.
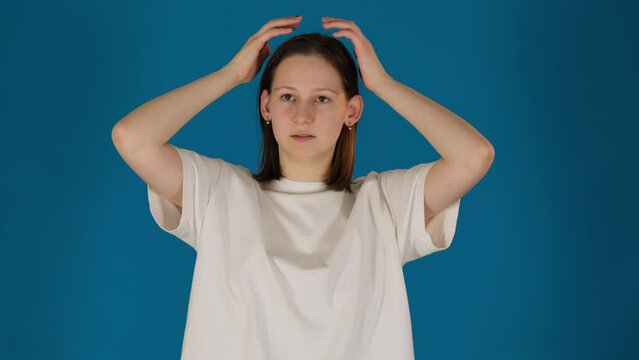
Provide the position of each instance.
(542, 264)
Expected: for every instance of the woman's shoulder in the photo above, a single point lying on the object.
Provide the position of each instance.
(211, 163)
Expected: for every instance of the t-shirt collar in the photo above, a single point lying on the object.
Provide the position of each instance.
(293, 186)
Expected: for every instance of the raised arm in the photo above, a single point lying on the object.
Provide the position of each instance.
(142, 136)
(466, 155)
(156, 121)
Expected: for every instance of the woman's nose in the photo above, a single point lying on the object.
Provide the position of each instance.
(303, 115)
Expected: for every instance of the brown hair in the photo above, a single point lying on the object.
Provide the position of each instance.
(338, 176)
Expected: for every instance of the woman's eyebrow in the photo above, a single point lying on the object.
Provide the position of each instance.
(292, 88)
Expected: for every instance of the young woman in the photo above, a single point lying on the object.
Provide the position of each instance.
(299, 261)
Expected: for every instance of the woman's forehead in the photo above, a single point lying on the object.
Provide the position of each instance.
(307, 70)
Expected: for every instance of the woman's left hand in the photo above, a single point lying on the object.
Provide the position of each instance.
(370, 67)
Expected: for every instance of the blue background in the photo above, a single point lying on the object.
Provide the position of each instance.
(542, 265)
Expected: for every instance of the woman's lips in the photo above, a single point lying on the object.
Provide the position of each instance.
(302, 138)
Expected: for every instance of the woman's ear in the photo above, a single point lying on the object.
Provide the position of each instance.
(264, 99)
(355, 109)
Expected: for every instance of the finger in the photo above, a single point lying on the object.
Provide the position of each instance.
(287, 21)
(345, 32)
(343, 24)
(283, 22)
(330, 19)
(351, 35)
(270, 33)
(339, 22)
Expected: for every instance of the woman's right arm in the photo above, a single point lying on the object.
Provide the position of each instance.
(155, 122)
(142, 136)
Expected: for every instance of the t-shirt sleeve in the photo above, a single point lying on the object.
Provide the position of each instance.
(404, 193)
(200, 176)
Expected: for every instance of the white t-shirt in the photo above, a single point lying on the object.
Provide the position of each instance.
(291, 270)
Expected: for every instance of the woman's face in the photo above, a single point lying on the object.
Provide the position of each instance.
(307, 97)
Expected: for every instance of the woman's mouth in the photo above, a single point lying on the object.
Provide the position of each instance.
(302, 137)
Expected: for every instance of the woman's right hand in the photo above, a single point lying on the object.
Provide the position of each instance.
(248, 61)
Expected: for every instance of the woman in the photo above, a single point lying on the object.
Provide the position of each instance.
(299, 261)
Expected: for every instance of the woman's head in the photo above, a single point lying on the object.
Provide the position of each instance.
(309, 85)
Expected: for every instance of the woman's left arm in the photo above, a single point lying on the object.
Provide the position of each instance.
(454, 139)
(466, 154)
